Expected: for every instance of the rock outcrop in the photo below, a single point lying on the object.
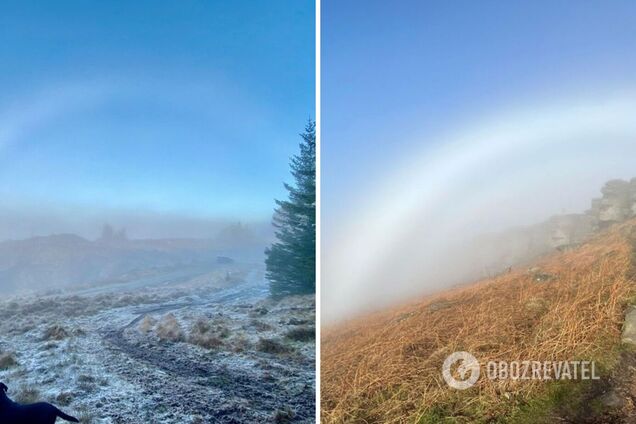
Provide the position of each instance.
(518, 246)
(569, 230)
(617, 204)
(629, 326)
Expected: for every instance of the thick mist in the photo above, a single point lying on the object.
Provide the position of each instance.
(51, 250)
(416, 226)
(22, 222)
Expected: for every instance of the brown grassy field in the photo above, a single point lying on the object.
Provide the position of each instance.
(386, 367)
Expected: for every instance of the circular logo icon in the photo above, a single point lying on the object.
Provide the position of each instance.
(467, 370)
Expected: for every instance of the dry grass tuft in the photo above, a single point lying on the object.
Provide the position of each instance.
(63, 398)
(169, 329)
(386, 367)
(284, 415)
(302, 334)
(7, 360)
(205, 334)
(55, 332)
(272, 346)
(147, 324)
(27, 394)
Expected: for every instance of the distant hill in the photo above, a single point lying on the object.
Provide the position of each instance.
(63, 260)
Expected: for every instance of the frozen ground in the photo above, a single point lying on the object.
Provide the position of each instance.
(210, 349)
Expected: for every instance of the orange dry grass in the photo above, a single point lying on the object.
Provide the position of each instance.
(386, 367)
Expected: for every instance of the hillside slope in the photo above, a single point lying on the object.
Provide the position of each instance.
(386, 367)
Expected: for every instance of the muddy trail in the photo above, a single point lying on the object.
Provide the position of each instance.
(208, 389)
(206, 385)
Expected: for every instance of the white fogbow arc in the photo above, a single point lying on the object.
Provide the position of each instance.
(375, 255)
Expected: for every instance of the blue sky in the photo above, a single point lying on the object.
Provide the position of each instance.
(396, 74)
(190, 108)
(444, 120)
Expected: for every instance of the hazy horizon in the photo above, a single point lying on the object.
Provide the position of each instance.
(18, 222)
(167, 130)
(15, 225)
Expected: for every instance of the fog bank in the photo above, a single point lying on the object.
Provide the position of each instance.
(18, 223)
(413, 228)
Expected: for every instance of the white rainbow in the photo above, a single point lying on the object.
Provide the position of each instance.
(378, 251)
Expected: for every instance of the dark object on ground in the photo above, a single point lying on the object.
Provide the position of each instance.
(36, 413)
(224, 260)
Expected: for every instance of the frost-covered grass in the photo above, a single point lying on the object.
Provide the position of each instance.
(162, 355)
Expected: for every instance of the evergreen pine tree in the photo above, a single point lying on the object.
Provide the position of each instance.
(291, 260)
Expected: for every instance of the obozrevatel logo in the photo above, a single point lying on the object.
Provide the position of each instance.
(468, 370)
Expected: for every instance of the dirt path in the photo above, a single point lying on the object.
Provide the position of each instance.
(201, 384)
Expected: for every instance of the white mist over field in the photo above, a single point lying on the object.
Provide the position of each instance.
(516, 167)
